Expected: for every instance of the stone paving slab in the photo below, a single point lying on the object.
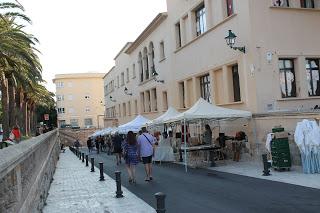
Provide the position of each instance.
(76, 189)
(254, 169)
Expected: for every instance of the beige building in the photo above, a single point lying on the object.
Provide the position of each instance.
(275, 75)
(80, 99)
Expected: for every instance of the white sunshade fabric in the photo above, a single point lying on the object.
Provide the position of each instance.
(204, 110)
(134, 125)
(169, 114)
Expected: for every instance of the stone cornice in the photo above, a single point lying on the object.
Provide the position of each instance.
(150, 28)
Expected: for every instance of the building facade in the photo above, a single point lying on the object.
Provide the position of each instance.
(275, 75)
(79, 99)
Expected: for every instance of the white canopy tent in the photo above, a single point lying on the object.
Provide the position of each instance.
(169, 114)
(134, 125)
(202, 110)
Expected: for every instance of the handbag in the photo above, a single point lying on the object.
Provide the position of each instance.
(150, 144)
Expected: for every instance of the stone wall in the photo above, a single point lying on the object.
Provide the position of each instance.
(68, 136)
(26, 171)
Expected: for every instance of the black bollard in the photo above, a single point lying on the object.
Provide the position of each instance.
(119, 192)
(87, 160)
(160, 197)
(101, 171)
(266, 165)
(92, 164)
(82, 157)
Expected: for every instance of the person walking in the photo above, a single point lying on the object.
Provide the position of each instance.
(146, 144)
(77, 144)
(97, 144)
(89, 144)
(117, 147)
(16, 133)
(130, 155)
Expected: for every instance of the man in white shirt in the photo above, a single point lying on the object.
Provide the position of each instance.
(146, 144)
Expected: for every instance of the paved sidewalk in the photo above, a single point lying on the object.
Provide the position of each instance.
(76, 189)
(254, 169)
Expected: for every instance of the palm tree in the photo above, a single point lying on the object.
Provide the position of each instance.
(18, 60)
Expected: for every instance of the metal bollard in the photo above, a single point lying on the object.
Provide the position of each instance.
(87, 160)
(160, 197)
(82, 157)
(119, 192)
(101, 171)
(92, 164)
(266, 165)
(211, 157)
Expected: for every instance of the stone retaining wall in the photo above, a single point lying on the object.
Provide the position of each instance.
(26, 171)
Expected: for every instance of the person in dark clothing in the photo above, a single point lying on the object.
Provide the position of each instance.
(97, 144)
(102, 144)
(117, 147)
(89, 144)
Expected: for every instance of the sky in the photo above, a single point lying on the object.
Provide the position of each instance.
(84, 36)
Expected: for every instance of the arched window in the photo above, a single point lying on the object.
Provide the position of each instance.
(151, 53)
(140, 66)
(145, 63)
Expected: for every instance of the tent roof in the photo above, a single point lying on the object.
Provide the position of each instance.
(204, 110)
(169, 114)
(134, 125)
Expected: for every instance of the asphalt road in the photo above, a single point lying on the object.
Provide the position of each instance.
(202, 191)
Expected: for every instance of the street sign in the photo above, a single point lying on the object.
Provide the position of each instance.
(46, 117)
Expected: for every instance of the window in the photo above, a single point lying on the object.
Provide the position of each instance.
(133, 71)
(182, 95)
(162, 55)
(142, 102)
(128, 75)
(236, 83)
(88, 122)
(154, 102)
(146, 63)
(70, 97)
(60, 97)
(61, 110)
(118, 82)
(59, 84)
(140, 67)
(287, 78)
(87, 109)
(313, 72)
(205, 87)
(165, 100)
(129, 108)
(119, 110)
(124, 108)
(122, 78)
(178, 35)
(136, 107)
(229, 7)
(151, 52)
(200, 20)
(74, 122)
(280, 3)
(307, 3)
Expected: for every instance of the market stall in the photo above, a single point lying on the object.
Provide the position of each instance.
(202, 110)
(134, 125)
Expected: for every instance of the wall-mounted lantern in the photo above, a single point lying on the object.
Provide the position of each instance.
(126, 91)
(112, 99)
(231, 40)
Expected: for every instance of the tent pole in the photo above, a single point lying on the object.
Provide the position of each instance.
(185, 144)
